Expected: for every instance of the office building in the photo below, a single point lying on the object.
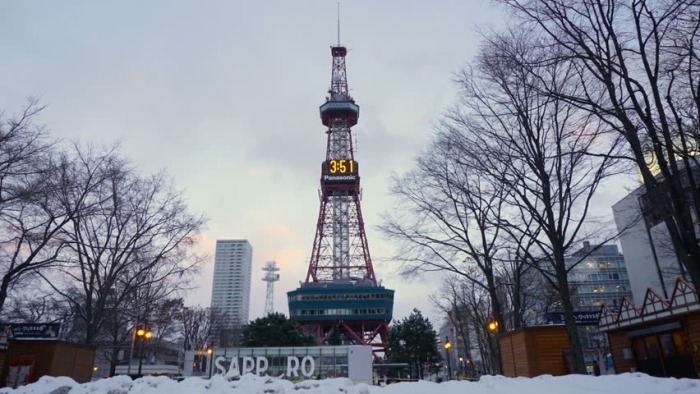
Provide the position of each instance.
(231, 284)
(601, 277)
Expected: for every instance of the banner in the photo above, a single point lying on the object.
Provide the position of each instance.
(31, 330)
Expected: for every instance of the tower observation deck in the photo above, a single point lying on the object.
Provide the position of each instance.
(341, 292)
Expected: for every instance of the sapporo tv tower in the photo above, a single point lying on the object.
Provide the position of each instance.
(341, 292)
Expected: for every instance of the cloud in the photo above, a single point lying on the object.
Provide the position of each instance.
(277, 229)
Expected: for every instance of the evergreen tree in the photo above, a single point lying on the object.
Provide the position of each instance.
(274, 329)
(335, 339)
(413, 341)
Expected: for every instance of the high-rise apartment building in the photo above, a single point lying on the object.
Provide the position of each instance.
(230, 293)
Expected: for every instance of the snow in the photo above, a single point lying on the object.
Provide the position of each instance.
(627, 383)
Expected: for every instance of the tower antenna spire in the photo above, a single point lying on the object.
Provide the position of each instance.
(338, 23)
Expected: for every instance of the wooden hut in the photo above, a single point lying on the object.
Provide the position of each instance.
(533, 351)
(662, 338)
(28, 360)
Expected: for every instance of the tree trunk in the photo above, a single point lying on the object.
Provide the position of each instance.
(113, 360)
(4, 286)
(579, 364)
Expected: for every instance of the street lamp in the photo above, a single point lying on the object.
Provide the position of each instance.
(210, 351)
(448, 345)
(143, 334)
(493, 326)
(402, 342)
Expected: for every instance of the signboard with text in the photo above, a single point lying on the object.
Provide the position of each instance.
(582, 318)
(31, 330)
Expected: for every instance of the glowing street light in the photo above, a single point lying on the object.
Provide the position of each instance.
(448, 346)
(143, 334)
(210, 361)
(493, 326)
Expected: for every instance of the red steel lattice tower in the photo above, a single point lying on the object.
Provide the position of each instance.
(341, 291)
(340, 246)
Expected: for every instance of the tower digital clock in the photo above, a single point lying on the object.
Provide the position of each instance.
(339, 171)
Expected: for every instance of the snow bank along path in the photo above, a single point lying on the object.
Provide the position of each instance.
(628, 383)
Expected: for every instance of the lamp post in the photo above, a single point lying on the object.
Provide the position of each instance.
(131, 349)
(494, 329)
(402, 342)
(143, 334)
(448, 345)
(210, 351)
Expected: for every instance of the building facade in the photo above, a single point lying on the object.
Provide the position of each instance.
(651, 260)
(231, 283)
(660, 336)
(598, 277)
(601, 277)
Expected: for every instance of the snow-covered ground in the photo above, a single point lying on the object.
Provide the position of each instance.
(629, 383)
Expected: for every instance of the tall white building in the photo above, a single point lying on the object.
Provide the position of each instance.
(231, 285)
(646, 244)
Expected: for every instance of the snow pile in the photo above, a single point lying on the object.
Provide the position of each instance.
(162, 385)
(636, 383)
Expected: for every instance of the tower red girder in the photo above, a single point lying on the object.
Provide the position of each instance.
(340, 249)
(324, 266)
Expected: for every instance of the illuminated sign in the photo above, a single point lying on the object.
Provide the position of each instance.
(339, 171)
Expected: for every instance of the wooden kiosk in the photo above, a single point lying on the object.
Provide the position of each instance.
(533, 351)
(660, 338)
(33, 350)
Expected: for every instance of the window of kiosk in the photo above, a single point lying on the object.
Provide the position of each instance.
(668, 348)
(652, 346)
(680, 341)
(640, 351)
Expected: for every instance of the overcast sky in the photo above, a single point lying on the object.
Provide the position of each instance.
(224, 95)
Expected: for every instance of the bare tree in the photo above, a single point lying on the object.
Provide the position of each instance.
(548, 155)
(447, 220)
(449, 300)
(33, 307)
(521, 287)
(474, 311)
(166, 327)
(23, 147)
(131, 248)
(31, 210)
(200, 326)
(115, 337)
(643, 56)
(30, 226)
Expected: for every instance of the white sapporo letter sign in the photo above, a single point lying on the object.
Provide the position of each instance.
(258, 366)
